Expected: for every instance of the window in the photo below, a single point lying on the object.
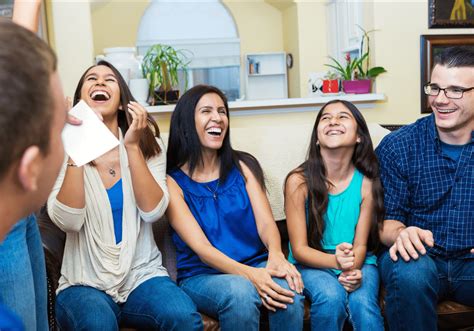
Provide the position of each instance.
(207, 30)
(344, 35)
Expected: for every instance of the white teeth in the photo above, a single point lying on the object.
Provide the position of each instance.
(334, 132)
(445, 111)
(97, 93)
(214, 130)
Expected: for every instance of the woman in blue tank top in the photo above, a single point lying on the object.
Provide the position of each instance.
(334, 206)
(229, 257)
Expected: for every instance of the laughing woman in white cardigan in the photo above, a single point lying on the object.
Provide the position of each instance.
(112, 273)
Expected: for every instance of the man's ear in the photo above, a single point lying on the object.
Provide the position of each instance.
(29, 169)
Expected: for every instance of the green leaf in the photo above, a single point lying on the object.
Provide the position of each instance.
(375, 71)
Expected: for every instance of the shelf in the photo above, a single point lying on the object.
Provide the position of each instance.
(269, 74)
(275, 106)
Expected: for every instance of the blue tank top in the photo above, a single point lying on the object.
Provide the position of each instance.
(115, 195)
(341, 218)
(224, 213)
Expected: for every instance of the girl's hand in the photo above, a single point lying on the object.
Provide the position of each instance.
(351, 280)
(344, 256)
(280, 267)
(273, 295)
(139, 123)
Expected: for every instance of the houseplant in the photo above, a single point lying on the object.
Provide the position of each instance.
(357, 74)
(161, 65)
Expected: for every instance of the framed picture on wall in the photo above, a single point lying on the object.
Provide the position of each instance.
(430, 46)
(451, 14)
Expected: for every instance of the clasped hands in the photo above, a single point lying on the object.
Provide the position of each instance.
(350, 278)
(273, 295)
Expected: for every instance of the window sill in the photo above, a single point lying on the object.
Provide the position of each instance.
(274, 106)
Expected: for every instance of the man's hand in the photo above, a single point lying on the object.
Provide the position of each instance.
(472, 251)
(410, 242)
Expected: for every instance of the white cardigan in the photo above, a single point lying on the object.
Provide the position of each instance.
(91, 256)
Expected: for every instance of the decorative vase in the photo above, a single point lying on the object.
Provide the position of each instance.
(165, 97)
(139, 87)
(357, 86)
(125, 60)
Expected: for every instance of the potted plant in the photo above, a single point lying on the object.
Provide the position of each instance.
(357, 74)
(160, 66)
(331, 82)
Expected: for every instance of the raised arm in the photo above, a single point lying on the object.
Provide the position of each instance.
(26, 13)
(148, 192)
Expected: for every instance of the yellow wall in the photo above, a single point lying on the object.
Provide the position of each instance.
(115, 23)
(397, 48)
(299, 27)
(291, 46)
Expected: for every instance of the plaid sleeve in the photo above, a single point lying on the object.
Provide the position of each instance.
(393, 172)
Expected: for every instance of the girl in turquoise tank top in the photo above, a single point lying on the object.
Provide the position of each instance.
(334, 206)
(228, 250)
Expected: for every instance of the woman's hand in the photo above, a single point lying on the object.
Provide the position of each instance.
(278, 266)
(139, 123)
(344, 256)
(351, 280)
(273, 295)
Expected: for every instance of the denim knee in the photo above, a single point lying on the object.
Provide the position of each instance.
(241, 298)
(328, 299)
(414, 276)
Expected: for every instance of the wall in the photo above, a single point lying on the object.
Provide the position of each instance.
(298, 27)
(71, 39)
(397, 48)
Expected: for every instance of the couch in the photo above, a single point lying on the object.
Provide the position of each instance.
(451, 315)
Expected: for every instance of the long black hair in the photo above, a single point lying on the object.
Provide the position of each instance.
(184, 145)
(148, 144)
(314, 173)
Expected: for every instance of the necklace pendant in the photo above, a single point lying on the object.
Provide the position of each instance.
(112, 172)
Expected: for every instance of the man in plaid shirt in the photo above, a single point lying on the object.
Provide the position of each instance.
(427, 170)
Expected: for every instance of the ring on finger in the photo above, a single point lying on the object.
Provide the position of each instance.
(265, 297)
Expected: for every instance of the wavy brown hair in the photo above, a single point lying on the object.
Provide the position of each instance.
(148, 144)
(314, 173)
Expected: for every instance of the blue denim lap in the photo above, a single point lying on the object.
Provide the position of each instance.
(156, 304)
(235, 302)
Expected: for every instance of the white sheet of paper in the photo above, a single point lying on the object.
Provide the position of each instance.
(86, 142)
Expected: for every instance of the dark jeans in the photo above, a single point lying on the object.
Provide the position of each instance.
(157, 304)
(415, 287)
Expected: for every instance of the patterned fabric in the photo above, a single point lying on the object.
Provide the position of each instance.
(426, 188)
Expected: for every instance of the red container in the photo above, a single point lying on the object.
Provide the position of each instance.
(356, 86)
(330, 86)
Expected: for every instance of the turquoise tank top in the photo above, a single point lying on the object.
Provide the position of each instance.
(341, 219)
(224, 213)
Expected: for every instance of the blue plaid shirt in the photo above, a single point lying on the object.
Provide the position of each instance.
(425, 188)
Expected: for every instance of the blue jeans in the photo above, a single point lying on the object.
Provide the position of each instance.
(156, 304)
(331, 304)
(23, 286)
(235, 302)
(414, 288)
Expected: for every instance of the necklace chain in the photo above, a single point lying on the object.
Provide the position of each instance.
(213, 192)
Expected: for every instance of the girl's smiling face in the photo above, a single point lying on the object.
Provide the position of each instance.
(101, 91)
(337, 127)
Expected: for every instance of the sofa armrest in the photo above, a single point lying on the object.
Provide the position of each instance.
(53, 240)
